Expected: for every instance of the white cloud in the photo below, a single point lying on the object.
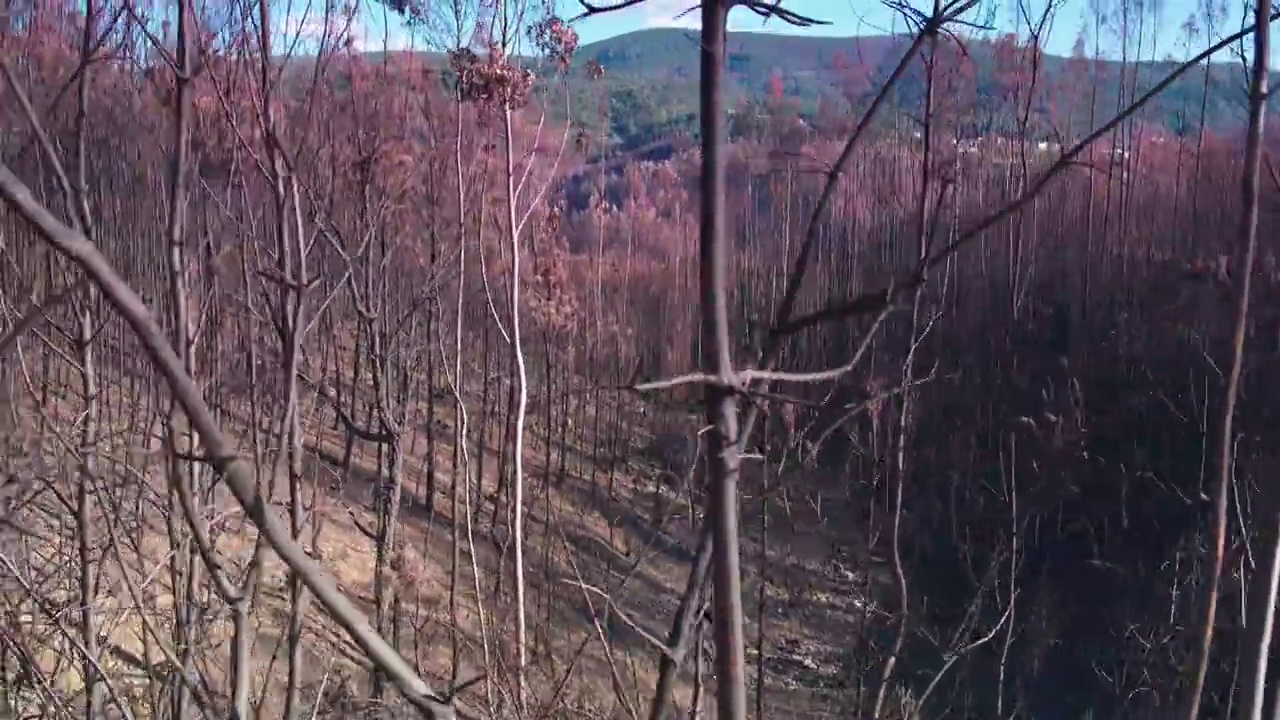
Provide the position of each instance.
(370, 39)
(677, 14)
(308, 27)
(670, 13)
(359, 27)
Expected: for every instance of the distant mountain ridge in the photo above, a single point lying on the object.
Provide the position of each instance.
(652, 76)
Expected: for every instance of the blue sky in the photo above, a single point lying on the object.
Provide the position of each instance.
(869, 17)
(849, 18)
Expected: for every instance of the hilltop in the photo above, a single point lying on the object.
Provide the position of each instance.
(652, 78)
(649, 91)
(982, 488)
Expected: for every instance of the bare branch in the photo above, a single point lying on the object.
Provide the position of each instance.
(590, 8)
(822, 375)
(875, 300)
(657, 644)
(36, 313)
(67, 636)
(235, 471)
(764, 8)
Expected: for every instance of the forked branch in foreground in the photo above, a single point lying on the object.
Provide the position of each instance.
(221, 453)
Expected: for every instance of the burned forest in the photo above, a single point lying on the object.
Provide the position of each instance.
(474, 373)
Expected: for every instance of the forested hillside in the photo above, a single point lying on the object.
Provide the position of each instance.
(654, 83)
(648, 92)
(377, 385)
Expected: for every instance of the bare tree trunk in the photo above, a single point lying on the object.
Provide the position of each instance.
(678, 640)
(906, 418)
(723, 456)
(182, 442)
(87, 322)
(1263, 590)
(522, 402)
(461, 457)
(762, 595)
(84, 508)
(699, 672)
(1262, 602)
